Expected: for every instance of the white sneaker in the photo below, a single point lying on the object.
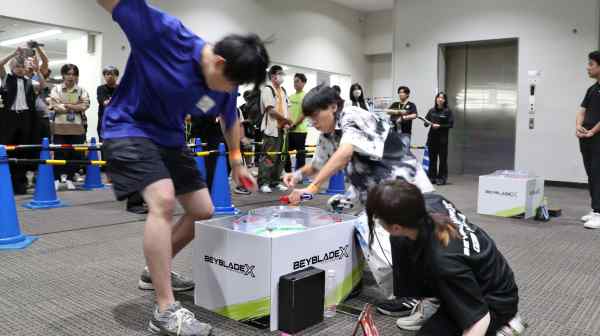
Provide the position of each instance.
(419, 315)
(516, 326)
(63, 178)
(70, 185)
(587, 217)
(281, 187)
(265, 189)
(593, 222)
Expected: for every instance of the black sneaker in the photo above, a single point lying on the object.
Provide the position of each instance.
(179, 283)
(177, 321)
(397, 307)
(137, 209)
(241, 191)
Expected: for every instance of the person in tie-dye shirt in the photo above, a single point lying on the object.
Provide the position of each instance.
(357, 141)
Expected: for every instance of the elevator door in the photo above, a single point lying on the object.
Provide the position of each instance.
(481, 83)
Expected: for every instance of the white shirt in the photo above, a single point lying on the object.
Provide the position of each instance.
(269, 124)
(20, 101)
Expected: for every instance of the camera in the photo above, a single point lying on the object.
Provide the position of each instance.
(34, 44)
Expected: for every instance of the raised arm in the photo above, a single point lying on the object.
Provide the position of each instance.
(109, 5)
(43, 68)
(3, 63)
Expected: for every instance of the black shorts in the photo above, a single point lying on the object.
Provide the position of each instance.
(135, 163)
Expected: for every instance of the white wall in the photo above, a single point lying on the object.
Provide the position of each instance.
(546, 43)
(379, 32)
(313, 34)
(380, 76)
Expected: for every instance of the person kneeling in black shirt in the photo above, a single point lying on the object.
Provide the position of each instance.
(447, 258)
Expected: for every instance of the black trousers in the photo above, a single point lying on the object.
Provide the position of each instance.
(297, 141)
(438, 153)
(68, 155)
(410, 281)
(18, 130)
(590, 151)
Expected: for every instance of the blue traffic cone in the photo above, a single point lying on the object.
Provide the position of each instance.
(93, 178)
(199, 159)
(11, 237)
(45, 196)
(336, 184)
(221, 194)
(426, 160)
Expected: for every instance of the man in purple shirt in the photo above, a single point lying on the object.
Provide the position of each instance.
(170, 73)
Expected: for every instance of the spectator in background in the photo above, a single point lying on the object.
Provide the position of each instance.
(442, 120)
(357, 96)
(251, 112)
(105, 92)
(337, 89)
(43, 111)
(408, 112)
(587, 129)
(69, 102)
(299, 127)
(20, 123)
(135, 202)
(275, 123)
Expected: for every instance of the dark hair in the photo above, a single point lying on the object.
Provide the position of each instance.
(397, 202)
(110, 69)
(405, 89)
(301, 77)
(337, 89)
(246, 56)
(273, 70)
(68, 67)
(443, 94)
(361, 100)
(320, 98)
(595, 56)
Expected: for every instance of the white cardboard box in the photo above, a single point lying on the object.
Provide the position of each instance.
(238, 262)
(509, 194)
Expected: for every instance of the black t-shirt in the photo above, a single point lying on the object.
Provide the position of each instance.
(409, 108)
(591, 103)
(469, 276)
(445, 118)
(103, 93)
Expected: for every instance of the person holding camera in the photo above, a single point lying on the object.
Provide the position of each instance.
(69, 102)
(20, 123)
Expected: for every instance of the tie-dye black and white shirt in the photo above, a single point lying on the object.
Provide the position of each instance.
(379, 154)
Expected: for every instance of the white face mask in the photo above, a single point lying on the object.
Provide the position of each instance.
(279, 79)
(357, 93)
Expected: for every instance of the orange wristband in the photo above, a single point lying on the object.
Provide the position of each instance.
(313, 188)
(235, 155)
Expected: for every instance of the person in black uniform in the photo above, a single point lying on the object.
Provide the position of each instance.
(105, 92)
(588, 127)
(444, 256)
(408, 112)
(442, 120)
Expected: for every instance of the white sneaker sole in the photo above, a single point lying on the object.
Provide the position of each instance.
(148, 286)
(409, 327)
(157, 331)
(591, 226)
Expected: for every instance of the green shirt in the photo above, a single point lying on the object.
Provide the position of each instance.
(296, 112)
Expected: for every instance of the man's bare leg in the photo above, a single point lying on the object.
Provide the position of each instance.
(160, 197)
(198, 206)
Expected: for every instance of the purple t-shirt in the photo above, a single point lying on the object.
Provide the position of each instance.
(163, 81)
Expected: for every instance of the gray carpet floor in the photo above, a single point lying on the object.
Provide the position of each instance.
(80, 277)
